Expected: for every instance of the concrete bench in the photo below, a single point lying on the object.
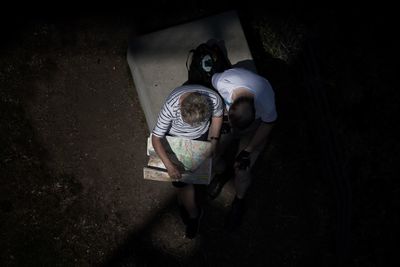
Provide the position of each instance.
(158, 60)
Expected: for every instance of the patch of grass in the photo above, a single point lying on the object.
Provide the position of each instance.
(282, 39)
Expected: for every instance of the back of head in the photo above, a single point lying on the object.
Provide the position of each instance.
(195, 109)
(242, 112)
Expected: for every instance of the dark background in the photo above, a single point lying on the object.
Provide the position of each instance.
(325, 192)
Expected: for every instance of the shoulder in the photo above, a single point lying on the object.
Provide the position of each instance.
(195, 88)
(180, 90)
(191, 88)
(233, 75)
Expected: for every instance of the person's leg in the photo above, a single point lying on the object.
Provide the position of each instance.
(182, 209)
(242, 178)
(188, 209)
(242, 181)
(186, 196)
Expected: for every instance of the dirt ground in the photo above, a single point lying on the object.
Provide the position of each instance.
(73, 139)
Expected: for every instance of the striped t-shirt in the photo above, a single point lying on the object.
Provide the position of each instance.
(170, 120)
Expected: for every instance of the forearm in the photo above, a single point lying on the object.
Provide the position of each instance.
(261, 135)
(215, 127)
(160, 150)
(214, 132)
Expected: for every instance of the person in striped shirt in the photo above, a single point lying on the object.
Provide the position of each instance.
(194, 112)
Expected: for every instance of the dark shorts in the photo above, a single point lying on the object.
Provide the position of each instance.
(178, 184)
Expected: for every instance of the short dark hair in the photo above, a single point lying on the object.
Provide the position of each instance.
(242, 112)
(195, 109)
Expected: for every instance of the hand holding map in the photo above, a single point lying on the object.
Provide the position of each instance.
(192, 158)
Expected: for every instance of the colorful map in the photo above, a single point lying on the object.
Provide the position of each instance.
(190, 156)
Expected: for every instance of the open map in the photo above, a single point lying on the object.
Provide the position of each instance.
(190, 156)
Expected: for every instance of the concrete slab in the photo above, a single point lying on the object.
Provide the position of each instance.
(158, 60)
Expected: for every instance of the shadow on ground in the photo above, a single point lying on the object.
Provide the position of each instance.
(73, 146)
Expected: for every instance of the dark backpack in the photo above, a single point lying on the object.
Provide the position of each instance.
(206, 60)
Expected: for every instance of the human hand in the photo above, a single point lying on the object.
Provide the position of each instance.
(173, 172)
(242, 161)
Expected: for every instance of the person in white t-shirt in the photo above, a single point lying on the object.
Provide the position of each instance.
(250, 108)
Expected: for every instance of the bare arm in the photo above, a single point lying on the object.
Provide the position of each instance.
(260, 136)
(214, 131)
(173, 171)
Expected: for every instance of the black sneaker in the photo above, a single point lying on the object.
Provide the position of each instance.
(183, 214)
(193, 225)
(235, 215)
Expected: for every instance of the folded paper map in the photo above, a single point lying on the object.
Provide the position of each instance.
(190, 156)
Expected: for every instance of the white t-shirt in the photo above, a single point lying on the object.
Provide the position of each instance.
(264, 98)
(170, 120)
